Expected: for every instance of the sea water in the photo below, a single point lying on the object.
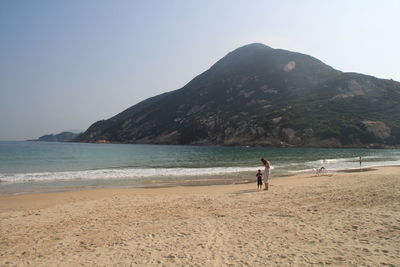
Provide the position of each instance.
(49, 166)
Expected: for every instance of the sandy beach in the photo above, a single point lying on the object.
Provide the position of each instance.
(342, 219)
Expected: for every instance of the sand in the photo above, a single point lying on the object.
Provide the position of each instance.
(344, 219)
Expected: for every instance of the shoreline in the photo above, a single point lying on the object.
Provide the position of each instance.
(191, 185)
(244, 177)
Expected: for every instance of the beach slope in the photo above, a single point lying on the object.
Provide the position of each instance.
(344, 219)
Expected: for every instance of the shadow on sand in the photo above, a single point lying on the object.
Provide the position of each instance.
(248, 191)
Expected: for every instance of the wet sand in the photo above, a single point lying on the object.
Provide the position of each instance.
(340, 219)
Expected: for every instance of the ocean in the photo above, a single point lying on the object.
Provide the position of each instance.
(51, 166)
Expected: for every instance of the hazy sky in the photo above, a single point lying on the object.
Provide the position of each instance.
(66, 64)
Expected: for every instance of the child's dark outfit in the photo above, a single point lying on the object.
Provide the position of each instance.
(259, 178)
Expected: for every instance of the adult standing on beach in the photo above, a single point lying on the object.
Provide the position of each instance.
(266, 172)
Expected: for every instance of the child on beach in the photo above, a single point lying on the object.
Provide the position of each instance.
(259, 180)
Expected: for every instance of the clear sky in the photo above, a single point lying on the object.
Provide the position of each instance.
(66, 64)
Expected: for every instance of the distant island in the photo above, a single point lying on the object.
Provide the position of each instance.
(61, 137)
(260, 96)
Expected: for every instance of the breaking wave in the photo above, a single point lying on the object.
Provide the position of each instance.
(120, 173)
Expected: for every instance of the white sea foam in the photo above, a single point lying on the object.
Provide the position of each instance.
(124, 173)
(352, 163)
(164, 173)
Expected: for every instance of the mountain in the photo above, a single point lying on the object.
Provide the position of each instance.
(260, 96)
(61, 137)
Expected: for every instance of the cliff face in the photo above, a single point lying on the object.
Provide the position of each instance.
(257, 95)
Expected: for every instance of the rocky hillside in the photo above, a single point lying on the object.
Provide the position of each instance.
(257, 95)
(61, 137)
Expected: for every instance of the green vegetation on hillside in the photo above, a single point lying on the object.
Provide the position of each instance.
(257, 95)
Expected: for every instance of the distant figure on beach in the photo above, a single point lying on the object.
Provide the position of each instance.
(360, 161)
(259, 180)
(267, 166)
(320, 171)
